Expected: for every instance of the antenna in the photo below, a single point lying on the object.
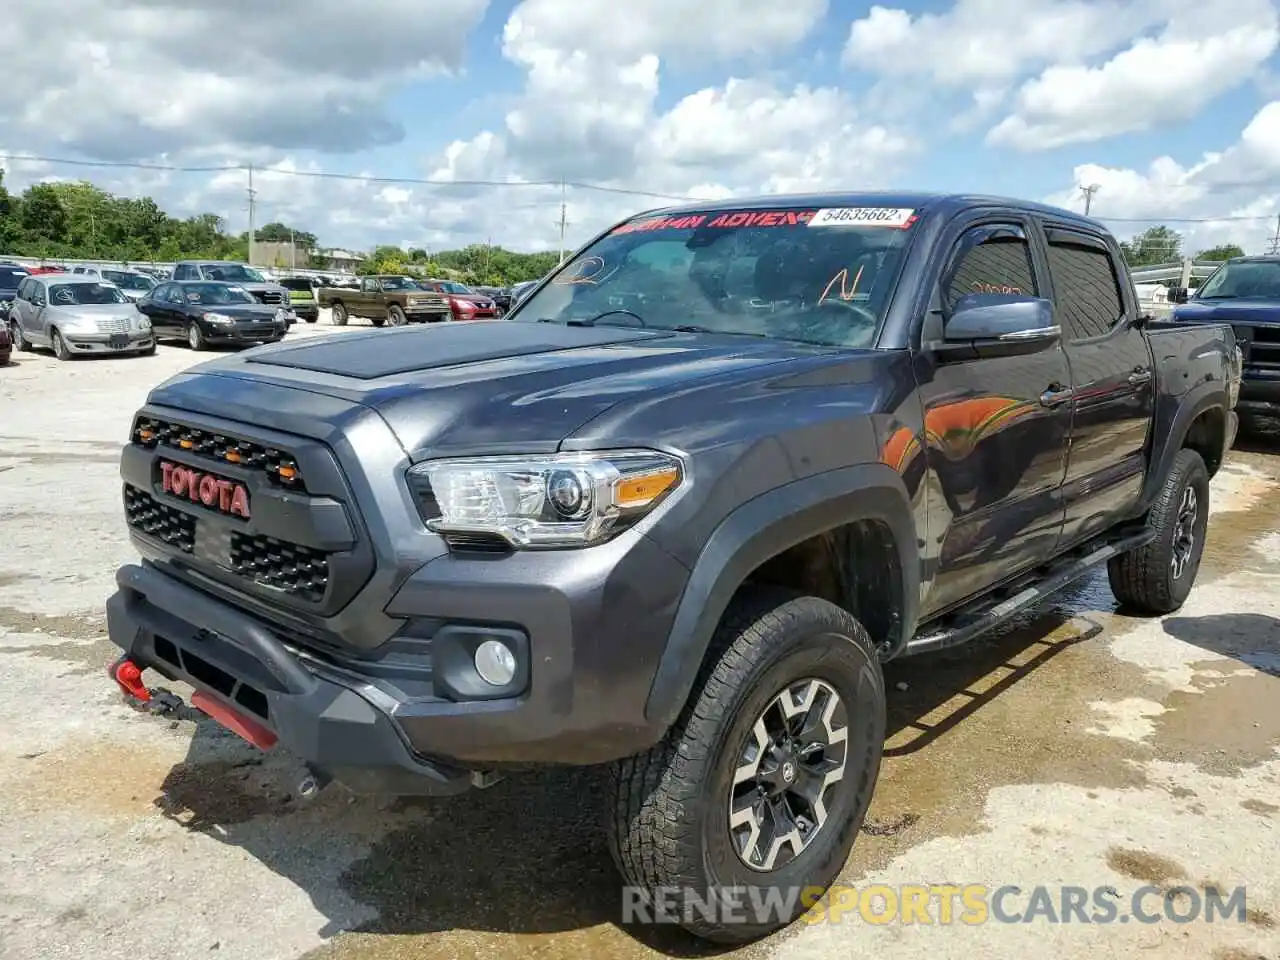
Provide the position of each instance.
(1088, 192)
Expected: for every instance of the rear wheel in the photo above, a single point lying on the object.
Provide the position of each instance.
(338, 315)
(1157, 578)
(60, 348)
(761, 786)
(20, 341)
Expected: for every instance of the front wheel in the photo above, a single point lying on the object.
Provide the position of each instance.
(195, 337)
(1156, 579)
(396, 317)
(60, 348)
(751, 803)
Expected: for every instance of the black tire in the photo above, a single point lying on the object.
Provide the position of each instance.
(195, 337)
(312, 319)
(60, 348)
(338, 315)
(1156, 579)
(396, 317)
(670, 807)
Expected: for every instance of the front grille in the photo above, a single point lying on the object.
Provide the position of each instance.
(269, 296)
(113, 325)
(1260, 346)
(279, 467)
(159, 520)
(295, 569)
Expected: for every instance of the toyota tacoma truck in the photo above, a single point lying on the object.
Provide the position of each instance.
(393, 300)
(672, 516)
(1244, 292)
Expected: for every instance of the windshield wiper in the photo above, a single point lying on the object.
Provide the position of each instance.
(1220, 296)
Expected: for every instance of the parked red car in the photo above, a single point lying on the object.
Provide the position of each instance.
(464, 303)
(46, 268)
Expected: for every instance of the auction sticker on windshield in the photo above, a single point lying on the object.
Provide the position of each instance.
(863, 217)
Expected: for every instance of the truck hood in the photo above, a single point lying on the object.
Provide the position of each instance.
(457, 389)
(1229, 311)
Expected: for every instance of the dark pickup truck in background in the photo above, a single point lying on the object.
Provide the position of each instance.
(672, 515)
(1245, 293)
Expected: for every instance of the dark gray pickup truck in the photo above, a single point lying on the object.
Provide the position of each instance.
(672, 516)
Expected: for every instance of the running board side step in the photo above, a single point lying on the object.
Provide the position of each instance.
(963, 627)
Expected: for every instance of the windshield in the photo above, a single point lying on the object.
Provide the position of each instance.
(397, 283)
(235, 272)
(812, 276)
(1256, 279)
(10, 277)
(216, 294)
(449, 286)
(129, 281)
(85, 294)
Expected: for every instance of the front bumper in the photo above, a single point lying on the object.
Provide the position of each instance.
(304, 309)
(243, 332)
(1260, 392)
(426, 314)
(328, 721)
(107, 343)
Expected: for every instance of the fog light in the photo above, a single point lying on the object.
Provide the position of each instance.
(495, 663)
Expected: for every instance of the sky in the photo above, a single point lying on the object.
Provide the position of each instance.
(1171, 109)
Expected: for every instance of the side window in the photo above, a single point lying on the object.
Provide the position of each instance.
(180, 272)
(23, 289)
(370, 285)
(177, 294)
(158, 293)
(991, 259)
(1085, 287)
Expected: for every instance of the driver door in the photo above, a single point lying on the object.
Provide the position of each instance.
(997, 428)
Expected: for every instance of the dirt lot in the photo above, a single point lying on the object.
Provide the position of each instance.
(1080, 748)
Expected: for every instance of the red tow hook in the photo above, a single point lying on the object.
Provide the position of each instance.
(128, 676)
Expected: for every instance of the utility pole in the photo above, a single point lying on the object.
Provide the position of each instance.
(293, 249)
(1088, 192)
(1275, 241)
(564, 210)
(252, 202)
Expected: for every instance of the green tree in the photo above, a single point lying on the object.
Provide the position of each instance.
(10, 230)
(1154, 245)
(44, 220)
(282, 233)
(1225, 251)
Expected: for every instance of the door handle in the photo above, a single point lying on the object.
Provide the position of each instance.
(1055, 395)
(1140, 376)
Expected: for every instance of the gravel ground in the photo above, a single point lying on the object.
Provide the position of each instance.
(1078, 747)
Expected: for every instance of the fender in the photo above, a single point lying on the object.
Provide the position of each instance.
(763, 528)
(1169, 436)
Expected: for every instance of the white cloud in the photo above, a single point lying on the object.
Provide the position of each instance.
(986, 42)
(1153, 82)
(147, 77)
(1233, 192)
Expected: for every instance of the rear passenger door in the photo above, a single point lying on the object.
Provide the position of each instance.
(1112, 379)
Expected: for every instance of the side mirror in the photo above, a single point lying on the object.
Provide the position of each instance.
(997, 324)
(1178, 294)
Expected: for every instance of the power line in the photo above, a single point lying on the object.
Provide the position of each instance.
(565, 184)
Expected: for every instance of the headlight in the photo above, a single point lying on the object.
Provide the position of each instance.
(141, 322)
(219, 318)
(560, 500)
(281, 316)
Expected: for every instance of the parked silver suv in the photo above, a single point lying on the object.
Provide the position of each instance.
(77, 314)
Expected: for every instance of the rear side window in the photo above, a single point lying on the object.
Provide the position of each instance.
(1086, 289)
(991, 260)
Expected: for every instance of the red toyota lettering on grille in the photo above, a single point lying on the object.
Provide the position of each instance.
(225, 496)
